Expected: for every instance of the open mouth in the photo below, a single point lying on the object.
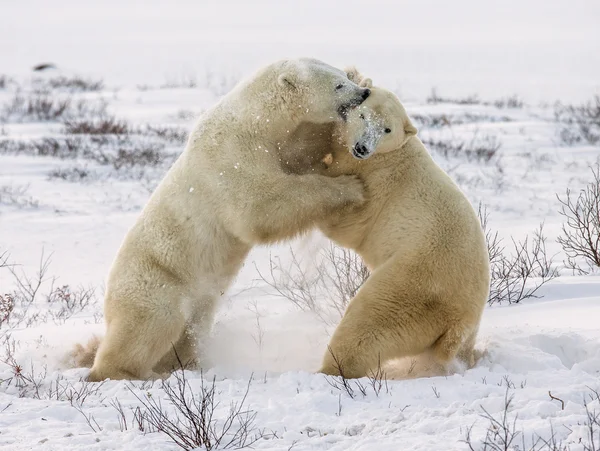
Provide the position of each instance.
(360, 151)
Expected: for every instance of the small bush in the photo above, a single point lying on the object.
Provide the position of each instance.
(37, 106)
(75, 83)
(65, 302)
(435, 98)
(519, 275)
(176, 135)
(192, 423)
(118, 151)
(148, 155)
(580, 238)
(448, 120)
(45, 147)
(73, 174)
(21, 308)
(16, 196)
(43, 105)
(481, 149)
(579, 123)
(509, 102)
(107, 125)
(337, 278)
(502, 433)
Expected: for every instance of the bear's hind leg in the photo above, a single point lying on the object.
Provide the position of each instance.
(390, 317)
(131, 349)
(467, 353)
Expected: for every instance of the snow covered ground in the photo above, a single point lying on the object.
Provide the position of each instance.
(161, 64)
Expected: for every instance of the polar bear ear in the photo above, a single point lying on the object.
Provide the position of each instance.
(288, 80)
(354, 75)
(409, 130)
(366, 83)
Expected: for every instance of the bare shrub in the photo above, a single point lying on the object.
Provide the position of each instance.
(20, 307)
(520, 274)
(75, 83)
(176, 135)
(7, 305)
(76, 393)
(292, 282)
(4, 259)
(16, 196)
(118, 151)
(502, 433)
(193, 422)
(579, 123)
(513, 101)
(73, 174)
(344, 272)
(4, 81)
(28, 382)
(481, 149)
(66, 302)
(435, 98)
(448, 120)
(353, 387)
(37, 106)
(147, 155)
(44, 105)
(44, 147)
(337, 277)
(102, 125)
(580, 238)
(17, 305)
(185, 81)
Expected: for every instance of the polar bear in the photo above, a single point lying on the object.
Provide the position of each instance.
(229, 190)
(417, 233)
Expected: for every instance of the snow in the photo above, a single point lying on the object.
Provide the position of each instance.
(163, 63)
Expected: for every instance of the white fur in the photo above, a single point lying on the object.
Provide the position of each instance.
(228, 191)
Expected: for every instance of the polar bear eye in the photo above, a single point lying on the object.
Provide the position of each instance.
(362, 116)
(388, 130)
(338, 87)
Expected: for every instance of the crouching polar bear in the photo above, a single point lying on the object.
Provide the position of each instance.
(229, 190)
(417, 233)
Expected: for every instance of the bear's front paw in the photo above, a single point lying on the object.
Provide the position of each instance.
(350, 190)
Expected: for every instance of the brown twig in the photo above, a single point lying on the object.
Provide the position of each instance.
(562, 403)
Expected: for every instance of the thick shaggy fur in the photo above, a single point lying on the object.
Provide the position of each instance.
(419, 236)
(229, 190)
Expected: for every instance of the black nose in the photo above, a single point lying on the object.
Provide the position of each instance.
(360, 149)
(366, 93)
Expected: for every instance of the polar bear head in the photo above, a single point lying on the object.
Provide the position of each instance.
(379, 124)
(320, 92)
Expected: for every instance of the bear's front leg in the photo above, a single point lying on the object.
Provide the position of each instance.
(275, 209)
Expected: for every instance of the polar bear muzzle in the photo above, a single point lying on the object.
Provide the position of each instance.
(361, 96)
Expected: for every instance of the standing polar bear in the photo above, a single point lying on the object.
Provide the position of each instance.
(419, 236)
(228, 191)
